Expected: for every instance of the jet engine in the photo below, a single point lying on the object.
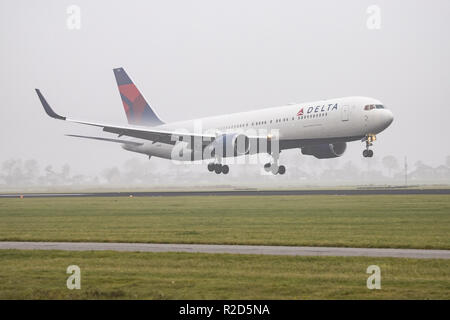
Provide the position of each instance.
(326, 150)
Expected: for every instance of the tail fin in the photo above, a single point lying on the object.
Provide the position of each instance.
(138, 111)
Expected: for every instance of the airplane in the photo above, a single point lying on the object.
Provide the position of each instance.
(321, 129)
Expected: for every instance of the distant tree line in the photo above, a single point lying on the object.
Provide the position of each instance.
(17, 173)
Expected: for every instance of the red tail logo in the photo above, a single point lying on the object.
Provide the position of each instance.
(300, 113)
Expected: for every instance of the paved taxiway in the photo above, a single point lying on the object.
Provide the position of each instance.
(233, 249)
(342, 192)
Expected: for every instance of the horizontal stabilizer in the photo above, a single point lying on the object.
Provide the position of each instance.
(133, 143)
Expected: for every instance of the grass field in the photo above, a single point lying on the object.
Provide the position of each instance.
(126, 275)
(400, 221)
(356, 221)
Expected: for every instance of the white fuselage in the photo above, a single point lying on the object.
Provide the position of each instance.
(298, 125)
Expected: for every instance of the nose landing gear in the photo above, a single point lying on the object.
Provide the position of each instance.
(369, 139)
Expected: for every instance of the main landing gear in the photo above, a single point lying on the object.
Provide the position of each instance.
(367, 153)
(274, 167)
(218, 168)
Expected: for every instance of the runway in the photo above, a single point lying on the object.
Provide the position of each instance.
(232, 249)
(237, 192)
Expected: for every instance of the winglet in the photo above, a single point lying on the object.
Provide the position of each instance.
(47, 107)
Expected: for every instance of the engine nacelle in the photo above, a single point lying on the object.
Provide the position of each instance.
(230, 145)
(325, 151)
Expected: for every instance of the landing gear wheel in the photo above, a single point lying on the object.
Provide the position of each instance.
(267, 166)
(225, 169)
(281, 169)
(365, 153)
(211, 166)
(217, 168)
(368, 153)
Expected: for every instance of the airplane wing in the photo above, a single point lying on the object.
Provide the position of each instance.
(152, 134)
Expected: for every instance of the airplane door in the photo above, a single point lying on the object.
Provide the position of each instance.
(344, 113)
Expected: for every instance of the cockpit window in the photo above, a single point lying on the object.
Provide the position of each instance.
(373, 106)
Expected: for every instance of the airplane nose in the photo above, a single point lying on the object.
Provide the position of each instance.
(389, 117)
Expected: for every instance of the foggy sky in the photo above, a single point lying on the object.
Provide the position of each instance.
(201, 58)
